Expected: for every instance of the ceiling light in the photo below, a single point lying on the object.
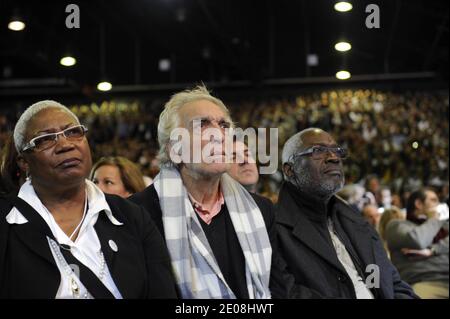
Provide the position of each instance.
(16, 25)
(68, 61)
(343, 6)
(343, 75)
(343, 46)
(104, 86)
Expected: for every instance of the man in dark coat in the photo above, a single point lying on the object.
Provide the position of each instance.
(221, 238)
(329, 247)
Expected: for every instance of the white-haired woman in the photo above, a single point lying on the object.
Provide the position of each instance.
(61, 237)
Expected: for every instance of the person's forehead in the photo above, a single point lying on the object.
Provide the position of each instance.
(430, 194)
(50, 119)
(372, 210)
(107, 170)
(201, 108)
(317, 137)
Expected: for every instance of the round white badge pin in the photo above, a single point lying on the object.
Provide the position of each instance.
(113, 245)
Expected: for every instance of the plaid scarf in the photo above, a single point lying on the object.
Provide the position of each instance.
(196, 270)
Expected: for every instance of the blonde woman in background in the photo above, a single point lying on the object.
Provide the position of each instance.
(117, 175)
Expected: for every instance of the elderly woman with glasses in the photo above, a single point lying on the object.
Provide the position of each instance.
(61, 237)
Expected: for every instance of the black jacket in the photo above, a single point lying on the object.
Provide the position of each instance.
(312, 259)
(280, 282)
(140, 268)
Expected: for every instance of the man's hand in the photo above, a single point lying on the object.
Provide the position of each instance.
(417, 252)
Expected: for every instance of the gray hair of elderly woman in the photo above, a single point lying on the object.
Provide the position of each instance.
(20, 129)
(169, 118)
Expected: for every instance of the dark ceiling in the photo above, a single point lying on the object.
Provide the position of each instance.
(218, 40)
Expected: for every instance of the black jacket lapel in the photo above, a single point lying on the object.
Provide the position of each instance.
(290, 214)
(35, 240)
(118, 247)
(106, 233)
(358, 233)
(305, 232)
(362, 238)
(34, 233)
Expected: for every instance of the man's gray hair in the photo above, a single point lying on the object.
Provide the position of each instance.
(20, 129)
(169, 118)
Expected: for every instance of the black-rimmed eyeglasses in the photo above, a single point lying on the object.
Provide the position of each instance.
(320, 152)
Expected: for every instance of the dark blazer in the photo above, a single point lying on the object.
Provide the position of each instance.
(313, 261)
(280, 283)
(140, 268)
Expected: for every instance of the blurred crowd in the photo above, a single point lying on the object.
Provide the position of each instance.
(400, 138)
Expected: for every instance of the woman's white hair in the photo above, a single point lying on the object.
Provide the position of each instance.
(20, 129)
(169, 118)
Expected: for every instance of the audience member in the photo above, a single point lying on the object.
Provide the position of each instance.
(117, 175)
(419, 245)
